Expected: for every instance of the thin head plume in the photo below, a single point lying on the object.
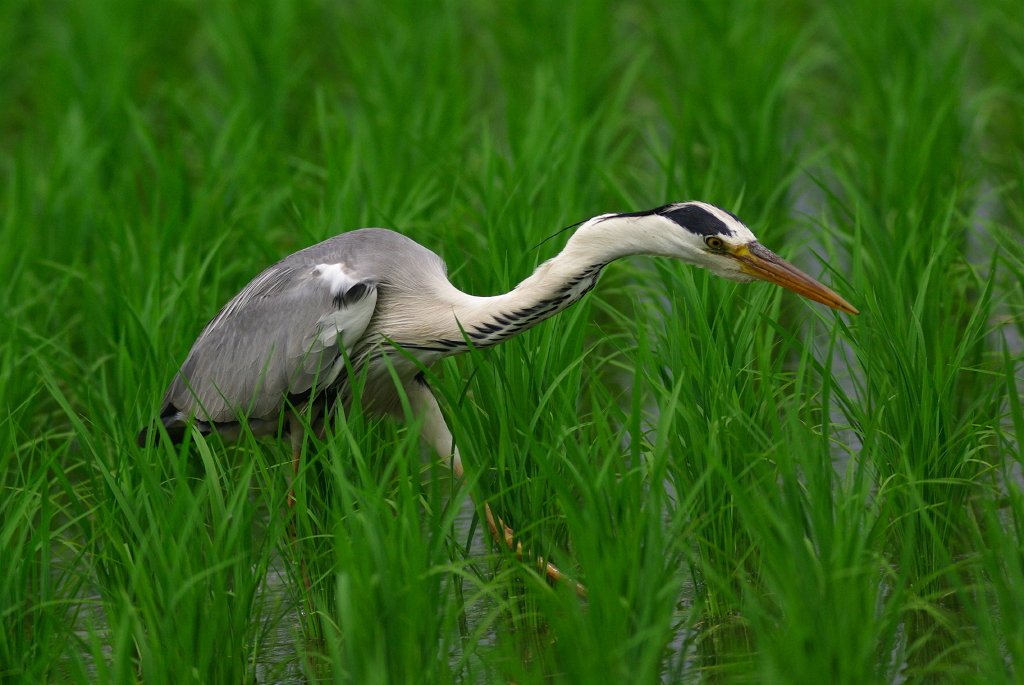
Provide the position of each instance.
(558, 233)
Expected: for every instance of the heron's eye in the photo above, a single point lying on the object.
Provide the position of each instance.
(714, 242)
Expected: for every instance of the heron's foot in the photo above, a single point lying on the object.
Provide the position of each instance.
(505, 535)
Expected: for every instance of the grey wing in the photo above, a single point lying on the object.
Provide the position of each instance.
(283, 334)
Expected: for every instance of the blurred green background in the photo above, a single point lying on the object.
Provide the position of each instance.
(753, 488)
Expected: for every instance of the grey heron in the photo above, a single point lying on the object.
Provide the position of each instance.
(278, 350)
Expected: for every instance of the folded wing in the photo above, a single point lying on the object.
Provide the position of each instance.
(285, 334)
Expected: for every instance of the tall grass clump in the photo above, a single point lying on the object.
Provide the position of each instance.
(368, 558)
(926, 407)
(37, 585)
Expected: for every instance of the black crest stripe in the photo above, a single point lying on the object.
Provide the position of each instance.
(690, 216)
(698, 220)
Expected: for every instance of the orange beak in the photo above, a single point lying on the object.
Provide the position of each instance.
(758, 261)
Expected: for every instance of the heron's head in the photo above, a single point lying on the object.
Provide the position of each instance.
(713, 239)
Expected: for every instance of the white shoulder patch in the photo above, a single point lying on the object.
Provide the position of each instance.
(337, 278)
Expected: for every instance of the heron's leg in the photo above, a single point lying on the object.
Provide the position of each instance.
(297, 434)
(435, 431)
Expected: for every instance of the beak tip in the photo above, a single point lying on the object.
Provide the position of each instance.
(845, 306)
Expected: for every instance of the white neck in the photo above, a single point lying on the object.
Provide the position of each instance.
(553, 286)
